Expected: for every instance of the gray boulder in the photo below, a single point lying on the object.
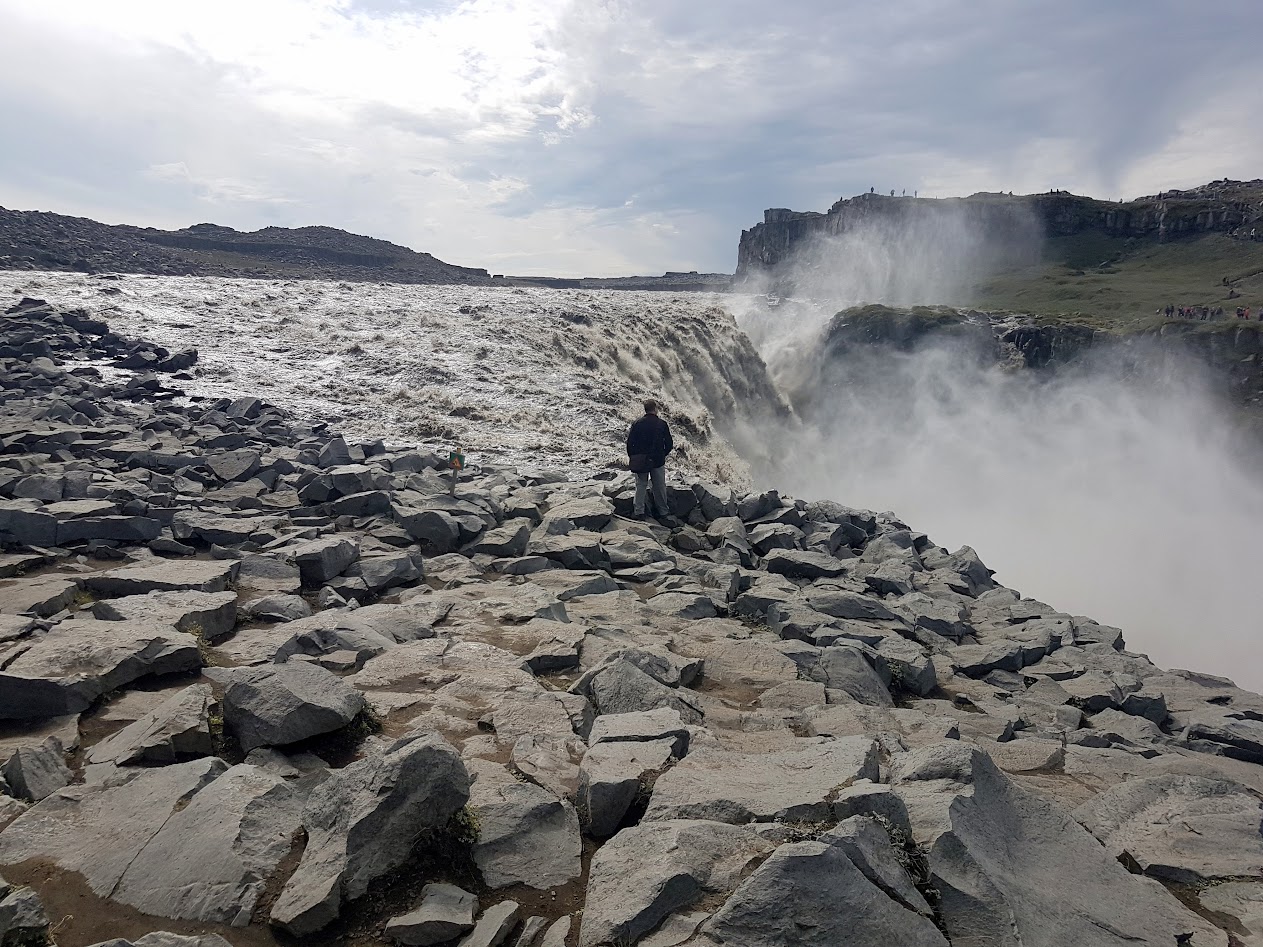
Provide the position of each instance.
(992, 848)
(446, 911)
(177, 728)
(795, 784)
(868, 845)
(23, 920)
(847, 669)
(801, 564)
(651, 870)
(494, 927)
(612, 775)
(211, 615)
(646, 725)
(810, 894)
(621, 687)
(527, 836)
(363, 822)
(36, 772)
(842, 603)
(319, 560)
(284, 703)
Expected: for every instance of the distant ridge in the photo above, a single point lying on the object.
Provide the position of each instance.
(37, 240)
(1223, 206)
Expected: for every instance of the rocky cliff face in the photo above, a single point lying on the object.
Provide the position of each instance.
(33, 240)
(1221, 206)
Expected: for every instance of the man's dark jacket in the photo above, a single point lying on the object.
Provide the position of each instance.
(650, 435)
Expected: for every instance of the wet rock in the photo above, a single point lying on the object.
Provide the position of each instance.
(796, 783)
(363, 822)
(35, 772)
(1183, 829)
(178, 728)
(445, 912)
(285, 703)
(210, 615)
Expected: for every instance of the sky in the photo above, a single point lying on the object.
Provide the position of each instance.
(607, 137)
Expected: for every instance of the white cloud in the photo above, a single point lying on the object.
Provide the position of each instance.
(585, 125)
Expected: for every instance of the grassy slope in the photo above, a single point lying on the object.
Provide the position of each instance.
(1139, 277)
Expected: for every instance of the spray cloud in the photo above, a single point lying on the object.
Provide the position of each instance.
(1117, 487)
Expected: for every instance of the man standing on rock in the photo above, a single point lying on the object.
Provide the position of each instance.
(648, 443)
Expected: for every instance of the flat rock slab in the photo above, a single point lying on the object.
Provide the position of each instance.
(1187, 829)
(649, 871)
(661, 724)
(274, 705)
(65, 670)
(210, 615)
(163, 575)
(211, 859)
(42, 595)
(795, 784)
(98, 830)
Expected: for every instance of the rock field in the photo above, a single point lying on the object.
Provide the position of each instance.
(263, 684)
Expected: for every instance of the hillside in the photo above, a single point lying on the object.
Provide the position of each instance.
(1049, 254)
(34, 240)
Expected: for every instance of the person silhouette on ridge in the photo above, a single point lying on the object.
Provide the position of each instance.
(648, 443)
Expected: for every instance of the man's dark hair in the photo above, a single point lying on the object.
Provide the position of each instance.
(651, 406)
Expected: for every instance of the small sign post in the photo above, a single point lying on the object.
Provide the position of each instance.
(456, 461)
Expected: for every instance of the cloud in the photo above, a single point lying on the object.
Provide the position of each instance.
(615, 135)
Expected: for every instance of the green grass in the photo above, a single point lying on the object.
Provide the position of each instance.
(1138, 278)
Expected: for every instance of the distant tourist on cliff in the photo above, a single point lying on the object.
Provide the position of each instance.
(648, 443)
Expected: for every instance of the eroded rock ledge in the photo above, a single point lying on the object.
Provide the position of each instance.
(262, 685)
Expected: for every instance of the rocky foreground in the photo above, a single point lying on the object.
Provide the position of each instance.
(262, 685)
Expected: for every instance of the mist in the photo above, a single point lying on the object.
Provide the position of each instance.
(1120, 487)
(905, 252)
